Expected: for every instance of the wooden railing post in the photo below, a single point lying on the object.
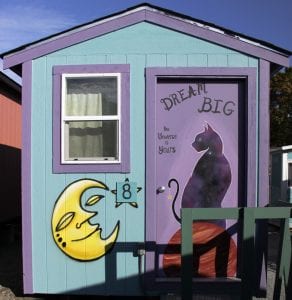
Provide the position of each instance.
(284, 259)
(247, 261)
(187, 253)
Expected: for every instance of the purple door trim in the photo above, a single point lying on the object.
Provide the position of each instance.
(264, 133)
(26, 178)
(250, 76)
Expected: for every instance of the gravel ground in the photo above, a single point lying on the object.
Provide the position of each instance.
(11, 269)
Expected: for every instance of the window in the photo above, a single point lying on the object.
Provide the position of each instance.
(90, 118)
(91, 111)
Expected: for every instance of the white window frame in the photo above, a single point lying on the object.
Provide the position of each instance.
(65, 159)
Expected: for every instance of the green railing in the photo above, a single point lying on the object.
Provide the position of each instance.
(247, 218)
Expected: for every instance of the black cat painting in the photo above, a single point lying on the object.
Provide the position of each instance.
(211, 176)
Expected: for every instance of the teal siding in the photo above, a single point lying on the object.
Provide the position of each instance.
(156, 60)
(145, 38)
(40, 231)
(290, 155)
(177, 60)
(237, 60)
(217, 60)
(199, 60)
(143, 45)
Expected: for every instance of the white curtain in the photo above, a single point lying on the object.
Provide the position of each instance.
(85, 137)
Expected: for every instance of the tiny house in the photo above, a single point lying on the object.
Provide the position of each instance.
(10, 145)
(281, 175)
(127, 119)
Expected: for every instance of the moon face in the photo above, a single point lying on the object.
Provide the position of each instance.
(71, 229)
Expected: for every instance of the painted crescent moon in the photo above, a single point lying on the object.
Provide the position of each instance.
(71, 229)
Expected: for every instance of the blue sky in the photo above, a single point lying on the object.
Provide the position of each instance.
(22, 21)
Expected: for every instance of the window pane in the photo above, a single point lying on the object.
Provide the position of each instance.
(91, 96)
(93, 140)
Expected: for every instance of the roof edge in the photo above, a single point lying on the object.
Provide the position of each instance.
(283, 149)
(149, 13)
(11, 83)
(10, 77)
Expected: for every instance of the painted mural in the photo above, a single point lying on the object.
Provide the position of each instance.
(197, 166)
(215, 252)
(206, 187)
(73, 227)
(211, 177)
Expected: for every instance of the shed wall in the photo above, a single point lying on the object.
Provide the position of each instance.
(10, 145)
(10, 119)
(142, 45)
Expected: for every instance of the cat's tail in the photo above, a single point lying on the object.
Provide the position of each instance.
(175, 198)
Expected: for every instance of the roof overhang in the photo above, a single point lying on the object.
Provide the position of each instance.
(147, 13)
(282, 149)
(9, 82)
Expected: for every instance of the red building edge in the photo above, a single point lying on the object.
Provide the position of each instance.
(10, 148)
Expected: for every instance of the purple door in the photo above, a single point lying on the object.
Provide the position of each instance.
(197, 151)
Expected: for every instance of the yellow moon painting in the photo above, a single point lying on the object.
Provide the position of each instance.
(72, 231)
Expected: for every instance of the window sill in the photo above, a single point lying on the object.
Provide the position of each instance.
(91, 168)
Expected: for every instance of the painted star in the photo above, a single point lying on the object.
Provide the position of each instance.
(126, 193)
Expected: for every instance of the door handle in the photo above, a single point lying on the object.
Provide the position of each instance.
(160, 190)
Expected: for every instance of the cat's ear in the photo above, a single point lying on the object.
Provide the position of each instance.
(209, 128)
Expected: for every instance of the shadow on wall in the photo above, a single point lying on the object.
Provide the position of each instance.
(11, 276)
(203, 289)
(147, 284)
(10, 183)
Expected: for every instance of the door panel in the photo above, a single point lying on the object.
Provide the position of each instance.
(198, 152)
